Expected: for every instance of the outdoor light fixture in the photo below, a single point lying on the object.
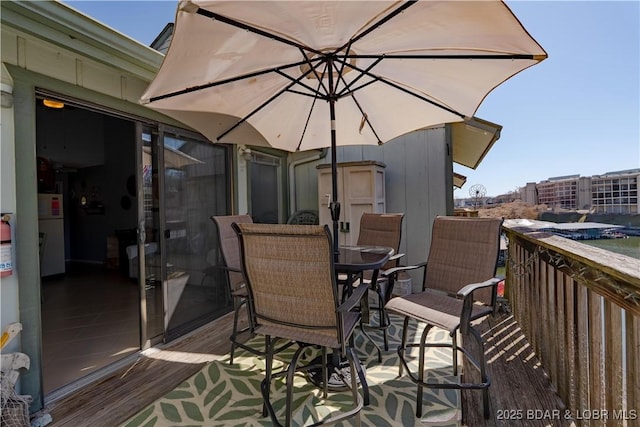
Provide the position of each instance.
(51, 103)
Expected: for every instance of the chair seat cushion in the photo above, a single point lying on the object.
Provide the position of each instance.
(434, 308)
(310, 336)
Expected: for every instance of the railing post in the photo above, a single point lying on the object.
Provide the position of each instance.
(579, 307)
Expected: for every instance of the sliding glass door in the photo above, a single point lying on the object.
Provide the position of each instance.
(183, 181)
(196, 186)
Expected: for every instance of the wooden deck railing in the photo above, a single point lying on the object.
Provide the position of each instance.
(579, 307)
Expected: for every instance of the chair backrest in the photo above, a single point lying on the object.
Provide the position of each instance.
(381, 229)
(229, 246)
(291, 276)
(463, 251)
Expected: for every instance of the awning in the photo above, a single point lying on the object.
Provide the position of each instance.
(472, 140)
(459, 180)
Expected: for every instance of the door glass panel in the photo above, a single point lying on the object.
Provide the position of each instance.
(196, 186)
(151, 273)
(265, 189)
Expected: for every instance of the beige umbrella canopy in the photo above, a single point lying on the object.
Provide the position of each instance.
(314, 74)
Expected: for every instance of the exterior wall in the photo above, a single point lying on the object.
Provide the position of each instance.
(47, 46)
(419, 182)
(9, 285)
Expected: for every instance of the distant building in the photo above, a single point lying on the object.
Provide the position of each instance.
(613, 192)
(616, 192)
(559, 192)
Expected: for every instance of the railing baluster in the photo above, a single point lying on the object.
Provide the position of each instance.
(632, 329)
(579, 307)
(561, 347)
(554, 369)
(596, 353)
(613, 356)
(571, 341)
(582, 360)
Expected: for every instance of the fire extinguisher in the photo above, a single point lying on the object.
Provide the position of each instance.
(6, 263)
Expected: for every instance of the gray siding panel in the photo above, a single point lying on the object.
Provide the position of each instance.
(419, 182)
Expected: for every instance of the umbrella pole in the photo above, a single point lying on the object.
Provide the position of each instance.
(334, 205)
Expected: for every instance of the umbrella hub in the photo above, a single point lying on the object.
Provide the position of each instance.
(342, 64)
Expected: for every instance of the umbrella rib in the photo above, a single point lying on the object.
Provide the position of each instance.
(378, 23)
(364, 115)
(247, 27)
(318, 77)
(306, 124)
(299, 80)
(509, 56)
(229, 80)
(348, 87)
(402, 89)
(265, 103)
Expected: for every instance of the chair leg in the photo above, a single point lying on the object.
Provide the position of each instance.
(325, 373)
(482, 365)
(423, 340)
(266, 383)
(382, 315)
(403, 344)
(363, 381)
(235, 330)
(419, 380)
(236, 311)
(353, 366)
(291, 371)
(454, 353)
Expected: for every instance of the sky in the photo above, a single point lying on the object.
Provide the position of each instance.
(576, 113)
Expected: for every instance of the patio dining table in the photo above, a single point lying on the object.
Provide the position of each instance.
(351, 261)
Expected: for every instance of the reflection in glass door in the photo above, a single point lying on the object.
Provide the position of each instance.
(196, 186)
(149, 244)
(266, 188)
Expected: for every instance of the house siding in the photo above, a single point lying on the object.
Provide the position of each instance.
(418, 182)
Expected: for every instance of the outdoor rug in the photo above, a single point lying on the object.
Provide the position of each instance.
(224, 394)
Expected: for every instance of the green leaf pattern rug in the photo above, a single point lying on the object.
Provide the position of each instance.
(223, 394)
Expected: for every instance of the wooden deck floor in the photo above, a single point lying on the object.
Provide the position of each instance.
(521, 393)
(519, 389)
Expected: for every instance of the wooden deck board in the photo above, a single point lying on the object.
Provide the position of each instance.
(521, 393)
(519, 384)
(115, 398)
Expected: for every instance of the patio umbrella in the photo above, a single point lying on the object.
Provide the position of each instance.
(314, 74)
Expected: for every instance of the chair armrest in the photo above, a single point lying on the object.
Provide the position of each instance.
(395, 257)
(354, 300)
(467, 306)
(390, 271)
(469, 289)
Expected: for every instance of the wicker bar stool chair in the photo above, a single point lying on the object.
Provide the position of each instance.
(293, 293)
(230, 250)
(381, 229)
(459, 286)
